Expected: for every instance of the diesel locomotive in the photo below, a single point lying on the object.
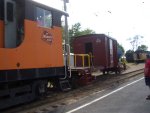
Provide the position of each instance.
(31, 50)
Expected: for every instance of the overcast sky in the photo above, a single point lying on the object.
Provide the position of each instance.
(121, 19)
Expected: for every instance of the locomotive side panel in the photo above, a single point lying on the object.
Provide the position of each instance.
(41, 47)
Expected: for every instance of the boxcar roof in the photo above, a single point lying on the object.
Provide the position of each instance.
(90, 35)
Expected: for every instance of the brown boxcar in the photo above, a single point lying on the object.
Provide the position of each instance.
(101, 47)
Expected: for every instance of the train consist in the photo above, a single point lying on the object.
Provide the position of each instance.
(31, 53)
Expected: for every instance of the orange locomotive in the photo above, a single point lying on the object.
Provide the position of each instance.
(30, 50)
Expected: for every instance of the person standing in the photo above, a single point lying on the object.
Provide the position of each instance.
(147, 74)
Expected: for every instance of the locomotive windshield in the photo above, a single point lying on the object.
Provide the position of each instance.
(44, 17)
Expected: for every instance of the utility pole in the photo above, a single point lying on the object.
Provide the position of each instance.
(67, 44)
(66, 22)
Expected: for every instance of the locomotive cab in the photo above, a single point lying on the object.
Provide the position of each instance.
(12, 15)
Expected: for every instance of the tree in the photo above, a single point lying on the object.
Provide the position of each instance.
(75, 30)
(120, 50)
(87, 31)
(129, 56)
(135, 41)
(142, 47)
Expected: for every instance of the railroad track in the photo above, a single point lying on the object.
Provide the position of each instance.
(58, 99)
(135, 72)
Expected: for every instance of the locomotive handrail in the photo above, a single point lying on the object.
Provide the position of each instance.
(83, 59)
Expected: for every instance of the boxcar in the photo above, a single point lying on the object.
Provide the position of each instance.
(102, 48)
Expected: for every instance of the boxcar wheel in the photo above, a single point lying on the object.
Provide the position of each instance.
(103, 72)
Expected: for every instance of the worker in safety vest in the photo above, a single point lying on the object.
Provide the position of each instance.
(147, 74)
(123, 61)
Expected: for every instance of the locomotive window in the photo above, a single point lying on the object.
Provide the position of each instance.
(1, 9)
(10, 12)
(44, 17)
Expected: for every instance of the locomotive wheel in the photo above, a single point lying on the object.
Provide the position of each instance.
(41, 88)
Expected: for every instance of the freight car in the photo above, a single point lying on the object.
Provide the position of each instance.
(101, 48)
(30, 50)
(140, 56)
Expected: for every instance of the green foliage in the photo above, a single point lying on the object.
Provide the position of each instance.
(129, 56)
(120, 50)
(142, 47)
(87, 31)
(76, 31)
(120, 47)
(129, 52)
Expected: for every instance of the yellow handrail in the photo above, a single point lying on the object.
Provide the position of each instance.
(83, 59)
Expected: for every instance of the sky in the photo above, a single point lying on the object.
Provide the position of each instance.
(120, 19)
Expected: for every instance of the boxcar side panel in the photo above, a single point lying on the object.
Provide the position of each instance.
(82, 45)
(115, 58)
(100, 59)
(111, 52)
